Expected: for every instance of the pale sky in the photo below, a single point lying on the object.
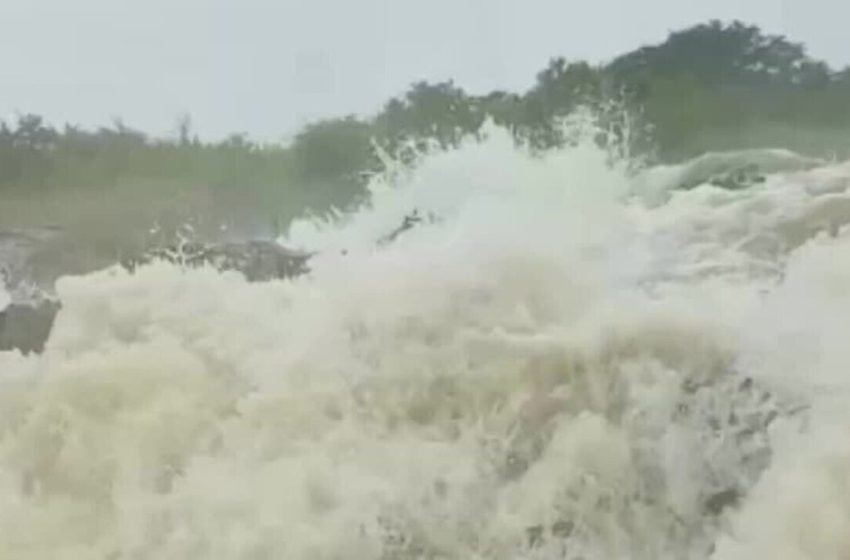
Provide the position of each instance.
(265, 67)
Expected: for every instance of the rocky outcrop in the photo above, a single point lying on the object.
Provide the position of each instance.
(727, 170)
(257, 260)
(741, 169)
(26, 327)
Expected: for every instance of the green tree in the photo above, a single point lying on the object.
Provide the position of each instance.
(439, 112)
(338, 148)
(714, 54)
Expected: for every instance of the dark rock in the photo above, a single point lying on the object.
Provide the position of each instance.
(537, 535)
(27, 327)
(409, 222)
(534, 535)
(739, 169)
(257, 260)
(719, 501)
(563, 528)
(739, 178)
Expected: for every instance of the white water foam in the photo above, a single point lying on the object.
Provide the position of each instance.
(551, 369)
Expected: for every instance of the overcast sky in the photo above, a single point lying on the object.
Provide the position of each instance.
(267, 66)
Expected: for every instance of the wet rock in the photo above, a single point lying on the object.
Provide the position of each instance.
(534, 535)
(26, 327)
(537, 535)
(36, 256)
(257, 260)
(740, 169)
(409, 222)
(719, 501)
(563, 528)
(739, 178)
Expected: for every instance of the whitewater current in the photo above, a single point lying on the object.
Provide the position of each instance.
(564, 360)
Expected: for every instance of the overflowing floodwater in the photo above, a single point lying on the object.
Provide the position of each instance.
(563, 360)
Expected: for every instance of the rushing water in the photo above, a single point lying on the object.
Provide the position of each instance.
(569, 361)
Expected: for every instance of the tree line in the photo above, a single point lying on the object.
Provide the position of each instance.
(715, 85)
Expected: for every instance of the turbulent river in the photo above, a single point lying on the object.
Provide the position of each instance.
(571, 360)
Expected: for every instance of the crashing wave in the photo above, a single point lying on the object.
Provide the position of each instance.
(548, 369)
